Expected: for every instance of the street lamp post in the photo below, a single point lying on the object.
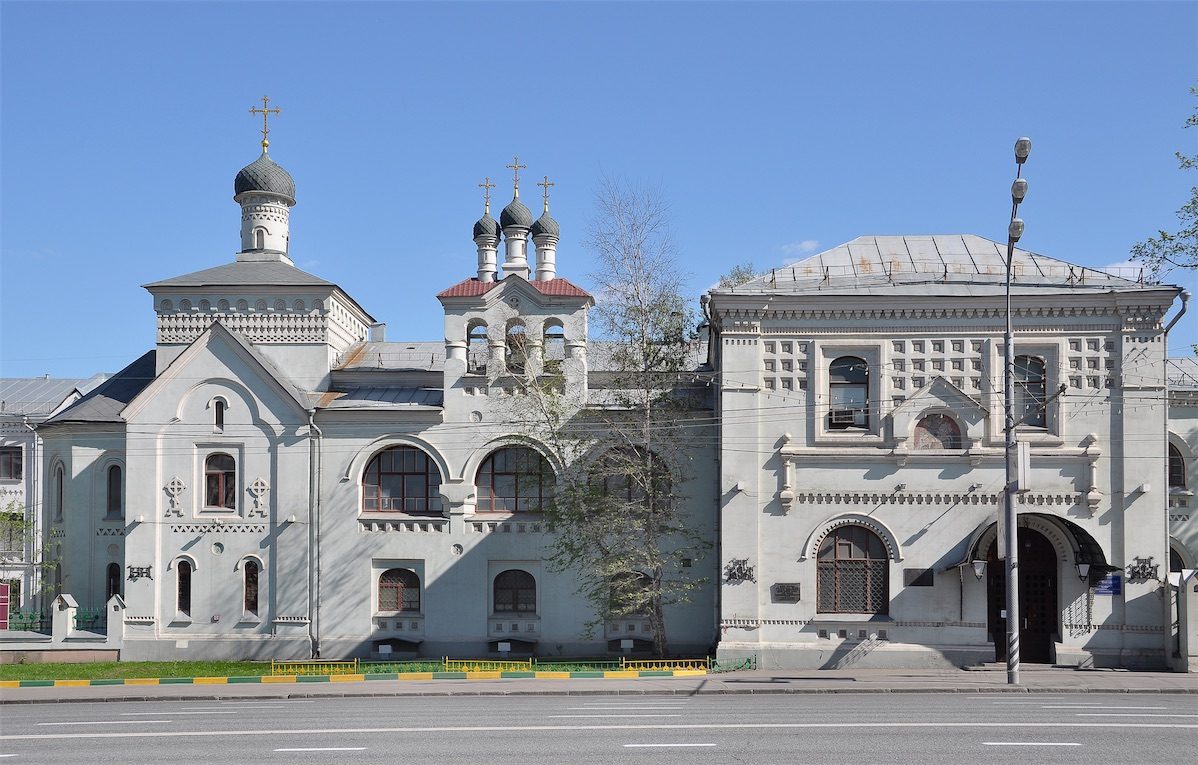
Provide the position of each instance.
(1023, 147)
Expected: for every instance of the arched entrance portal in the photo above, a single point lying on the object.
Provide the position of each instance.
(1038, 608)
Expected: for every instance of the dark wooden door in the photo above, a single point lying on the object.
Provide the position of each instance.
(1039, 613)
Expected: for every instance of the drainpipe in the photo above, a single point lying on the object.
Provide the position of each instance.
(33, 540)
(314, 437)
(1185, 301)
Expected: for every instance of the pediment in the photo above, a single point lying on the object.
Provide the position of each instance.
(939, 396)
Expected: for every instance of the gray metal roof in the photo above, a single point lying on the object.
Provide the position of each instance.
(387, 397)
(599, 355)
(884, 264)
(41, 395)
(1182, 373)
(515, 214)
(105, 402)
(249, 272)
(486, 225)
(545, 225)
(264, 174)
(397, 357)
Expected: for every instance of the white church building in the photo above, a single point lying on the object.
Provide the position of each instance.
(276, 478)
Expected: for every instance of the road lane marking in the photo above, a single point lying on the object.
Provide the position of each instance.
(107, 722)
(1122, 714)
(150, 714)
(664, 745)
(1030, 743)
(223, 710)
(1088, 706)
(1021, 725)
(582, 709)
(324, 749)
(561, 717)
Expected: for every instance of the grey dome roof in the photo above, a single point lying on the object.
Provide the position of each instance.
(263, 174)
(515, 214)
(545, 225)
(486, 225)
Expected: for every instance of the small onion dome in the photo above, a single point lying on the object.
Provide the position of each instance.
(486, 226)
(545, 225)
(515, 214)
(264, 175)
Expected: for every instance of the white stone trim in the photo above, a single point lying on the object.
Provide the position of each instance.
(811, 548)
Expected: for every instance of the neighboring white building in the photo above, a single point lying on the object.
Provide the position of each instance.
(862, 469)
(24, 403)
(294, 482)
(1183, 467)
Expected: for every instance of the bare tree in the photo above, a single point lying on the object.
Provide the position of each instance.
(1179, 249)
(619, 517)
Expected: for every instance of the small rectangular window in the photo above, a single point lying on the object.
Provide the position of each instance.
(787, 348)
(787, 365)
(917, 346)
(917, 382)
(917, 365)
(958, 364)
(1092, 344)
(1091, 363)
(769, 383)
(769, 365)
(938, 365)
(958, 346)
(899, 365)
(769, 347)
(802, 347)
(11, 463)
(787, 384)
(919, 577)
(1075, 345)
(975, 346)
(898, 345)
(937, 346)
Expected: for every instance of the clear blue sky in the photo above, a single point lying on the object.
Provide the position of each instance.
(766, 126)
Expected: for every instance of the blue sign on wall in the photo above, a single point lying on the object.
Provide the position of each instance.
(1111, 584)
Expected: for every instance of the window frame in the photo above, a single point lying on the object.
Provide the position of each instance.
(408, 591)
(1176, 480)
(12, 463)
(114, 493)
(430, 476)
(835, 421)
(485, 481)
(516, 582)
(875, 571)
(251, 573)
(227, 481)
(1023, 393)
(109, 581)
(183, 589)
(943, 417)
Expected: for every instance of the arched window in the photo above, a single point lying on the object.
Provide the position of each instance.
(478, 350)
(515, 592)
(259, 238)
(399, 590)
(937, 431)
(58, 494)
(553, 345)
(220, 481)
(851, 572)
(250, 574)
(114, 508)
(1177, 468)
(630, 594)
(514, 479)
(183, 587)
(401, 479)
(516, 347)
(112, 581)
(848, 394)
(1030, 392)
(218, 414)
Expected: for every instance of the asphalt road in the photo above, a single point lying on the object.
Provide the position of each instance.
(530, 730)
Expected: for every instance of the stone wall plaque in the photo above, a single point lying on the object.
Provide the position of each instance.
(785, 592)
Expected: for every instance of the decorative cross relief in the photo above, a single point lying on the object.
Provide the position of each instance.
(1142, 570)
(137, 572)
(174, 489)
(258, 491)
(739, 570)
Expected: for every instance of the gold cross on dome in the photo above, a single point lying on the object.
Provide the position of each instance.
(516, 168)
(545, 184)
(264, 112)
(486, 186)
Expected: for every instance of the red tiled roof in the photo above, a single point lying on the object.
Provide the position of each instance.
(473, 288)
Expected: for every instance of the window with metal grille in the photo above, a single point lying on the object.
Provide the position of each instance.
(12, 533)
(402, 479)
(114, 506)
(1030, 392)
(58, 493)
(1177, 468)
(848, 394)
(852, 572)
(220, 481)
(11, 463)
(251, 587)
(399, 590)
(514, 479)
(631, 477)
(515, 591)
(183, 587)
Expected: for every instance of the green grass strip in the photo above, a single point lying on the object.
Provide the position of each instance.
(245, 679)
(173, 681)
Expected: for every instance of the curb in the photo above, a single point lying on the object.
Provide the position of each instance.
(624, 674)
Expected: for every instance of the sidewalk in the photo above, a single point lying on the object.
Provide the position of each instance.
(1035, 680)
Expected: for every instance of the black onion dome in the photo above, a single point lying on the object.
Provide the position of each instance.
(264, 174)
(486, 226)
(545, 225)
(515, 214)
